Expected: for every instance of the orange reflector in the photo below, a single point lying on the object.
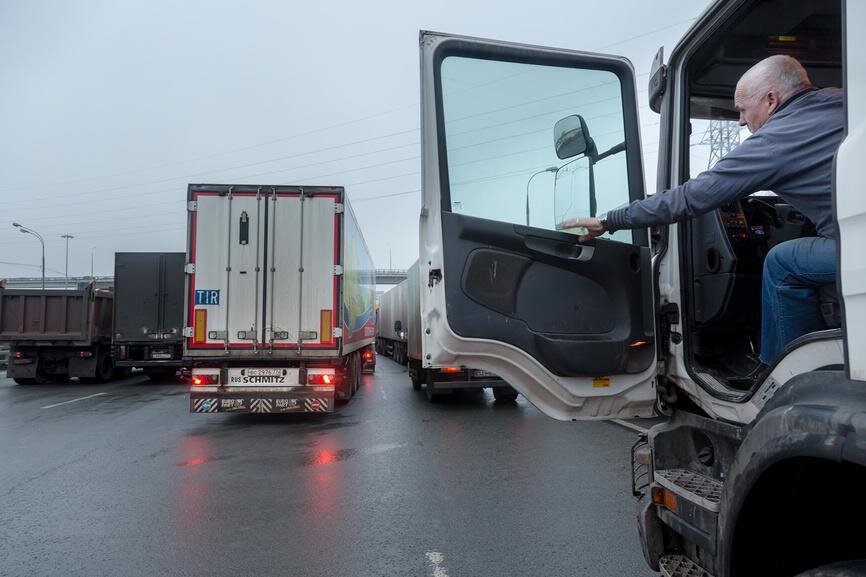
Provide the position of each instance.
(600, 382)
(325, 328)
(665, 498)
(200, 326)
(450, 369)
(200, 380)
(638, 343)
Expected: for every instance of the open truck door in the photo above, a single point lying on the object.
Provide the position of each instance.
(518, 140)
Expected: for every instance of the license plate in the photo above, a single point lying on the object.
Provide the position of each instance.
(482, 373)
(263, 372)
(158, 355)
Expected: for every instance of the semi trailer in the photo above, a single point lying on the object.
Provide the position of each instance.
(148, 311)
(280, 293)
(55, 334)
(400, 338)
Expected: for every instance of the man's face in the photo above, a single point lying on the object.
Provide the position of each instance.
(754, 110)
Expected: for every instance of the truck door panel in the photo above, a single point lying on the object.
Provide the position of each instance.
(518, 141)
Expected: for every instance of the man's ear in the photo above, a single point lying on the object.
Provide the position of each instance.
(773, 101)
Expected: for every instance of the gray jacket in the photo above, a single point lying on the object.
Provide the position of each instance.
(791, 154)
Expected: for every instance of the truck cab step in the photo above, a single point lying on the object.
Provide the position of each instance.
(680, 566)
(699, 489)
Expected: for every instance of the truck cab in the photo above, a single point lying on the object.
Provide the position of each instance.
(518, 139)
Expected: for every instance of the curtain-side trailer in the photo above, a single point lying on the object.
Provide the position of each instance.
(280, 293)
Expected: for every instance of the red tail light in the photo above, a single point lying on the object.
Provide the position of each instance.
(321, 379)
(368, 355)
(203, 380)
(19, 355)
(450, 369)
(85, 354)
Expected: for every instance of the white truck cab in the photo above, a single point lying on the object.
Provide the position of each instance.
(517, 139)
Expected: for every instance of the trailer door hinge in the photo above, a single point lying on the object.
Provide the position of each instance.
(192, 206)
(339, 208)
(187, 331)
(189, 268)
(338, 269)
(337, 332)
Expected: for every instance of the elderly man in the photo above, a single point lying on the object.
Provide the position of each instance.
(796, 130)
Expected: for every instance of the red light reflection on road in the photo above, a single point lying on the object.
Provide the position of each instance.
(322, 457)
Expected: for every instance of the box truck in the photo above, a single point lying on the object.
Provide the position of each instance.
(280, 293)
(148, 311)
(54, 334)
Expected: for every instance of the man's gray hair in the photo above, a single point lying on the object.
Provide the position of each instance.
(780, 73)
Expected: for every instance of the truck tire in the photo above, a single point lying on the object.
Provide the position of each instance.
(104, 370)
(23, 381)
(504, 395)
(416, 375)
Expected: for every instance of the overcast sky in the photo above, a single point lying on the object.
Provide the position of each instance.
(108, 109)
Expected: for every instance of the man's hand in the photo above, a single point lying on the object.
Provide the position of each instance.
(592, 226)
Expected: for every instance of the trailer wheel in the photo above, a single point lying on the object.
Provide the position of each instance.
(415, 372)
(24, 381)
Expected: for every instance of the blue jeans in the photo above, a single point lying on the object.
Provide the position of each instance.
(793, 272)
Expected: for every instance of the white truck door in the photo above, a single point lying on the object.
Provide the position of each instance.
(303, 241)
(516, 140)
(226, 283)
(849, 197)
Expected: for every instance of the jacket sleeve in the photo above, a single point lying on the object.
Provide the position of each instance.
(750, 167)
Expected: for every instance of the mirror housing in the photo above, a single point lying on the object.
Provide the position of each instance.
(398, 326)
(571, 137)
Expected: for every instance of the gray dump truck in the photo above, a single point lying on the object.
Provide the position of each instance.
(55, 334)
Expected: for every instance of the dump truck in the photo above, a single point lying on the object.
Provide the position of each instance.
(750, 473)
(148, 311)
(400, 338)
(280, 297)
(55, 334)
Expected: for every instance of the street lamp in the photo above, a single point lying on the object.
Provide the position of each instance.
(548, 169)
(26, 230)
(67, 236)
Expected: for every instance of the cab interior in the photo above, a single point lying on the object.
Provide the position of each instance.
(723, 251)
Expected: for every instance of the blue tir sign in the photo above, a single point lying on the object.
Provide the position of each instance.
(207, 297)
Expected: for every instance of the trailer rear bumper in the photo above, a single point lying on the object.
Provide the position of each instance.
(270, 400)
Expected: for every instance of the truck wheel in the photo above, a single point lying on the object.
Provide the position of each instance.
(415, 375)
(23, 381)
(104, 370)
(503, 395)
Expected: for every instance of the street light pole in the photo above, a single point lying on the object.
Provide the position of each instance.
(26, 230)
(93, 248)
(67, 236)
(548, 169)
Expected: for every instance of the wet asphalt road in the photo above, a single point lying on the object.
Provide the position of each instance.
(127, 482)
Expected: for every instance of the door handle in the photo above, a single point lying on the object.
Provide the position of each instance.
(559, 249)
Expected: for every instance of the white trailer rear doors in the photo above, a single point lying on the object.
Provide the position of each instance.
(264, 273)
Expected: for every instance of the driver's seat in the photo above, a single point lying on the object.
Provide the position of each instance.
(829, 299)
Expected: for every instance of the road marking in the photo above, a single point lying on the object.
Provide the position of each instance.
(382, 390)
(73, 400)
(628, 425)
(436, 558)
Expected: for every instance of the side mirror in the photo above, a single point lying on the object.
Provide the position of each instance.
(571, 137)
(398, 326)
